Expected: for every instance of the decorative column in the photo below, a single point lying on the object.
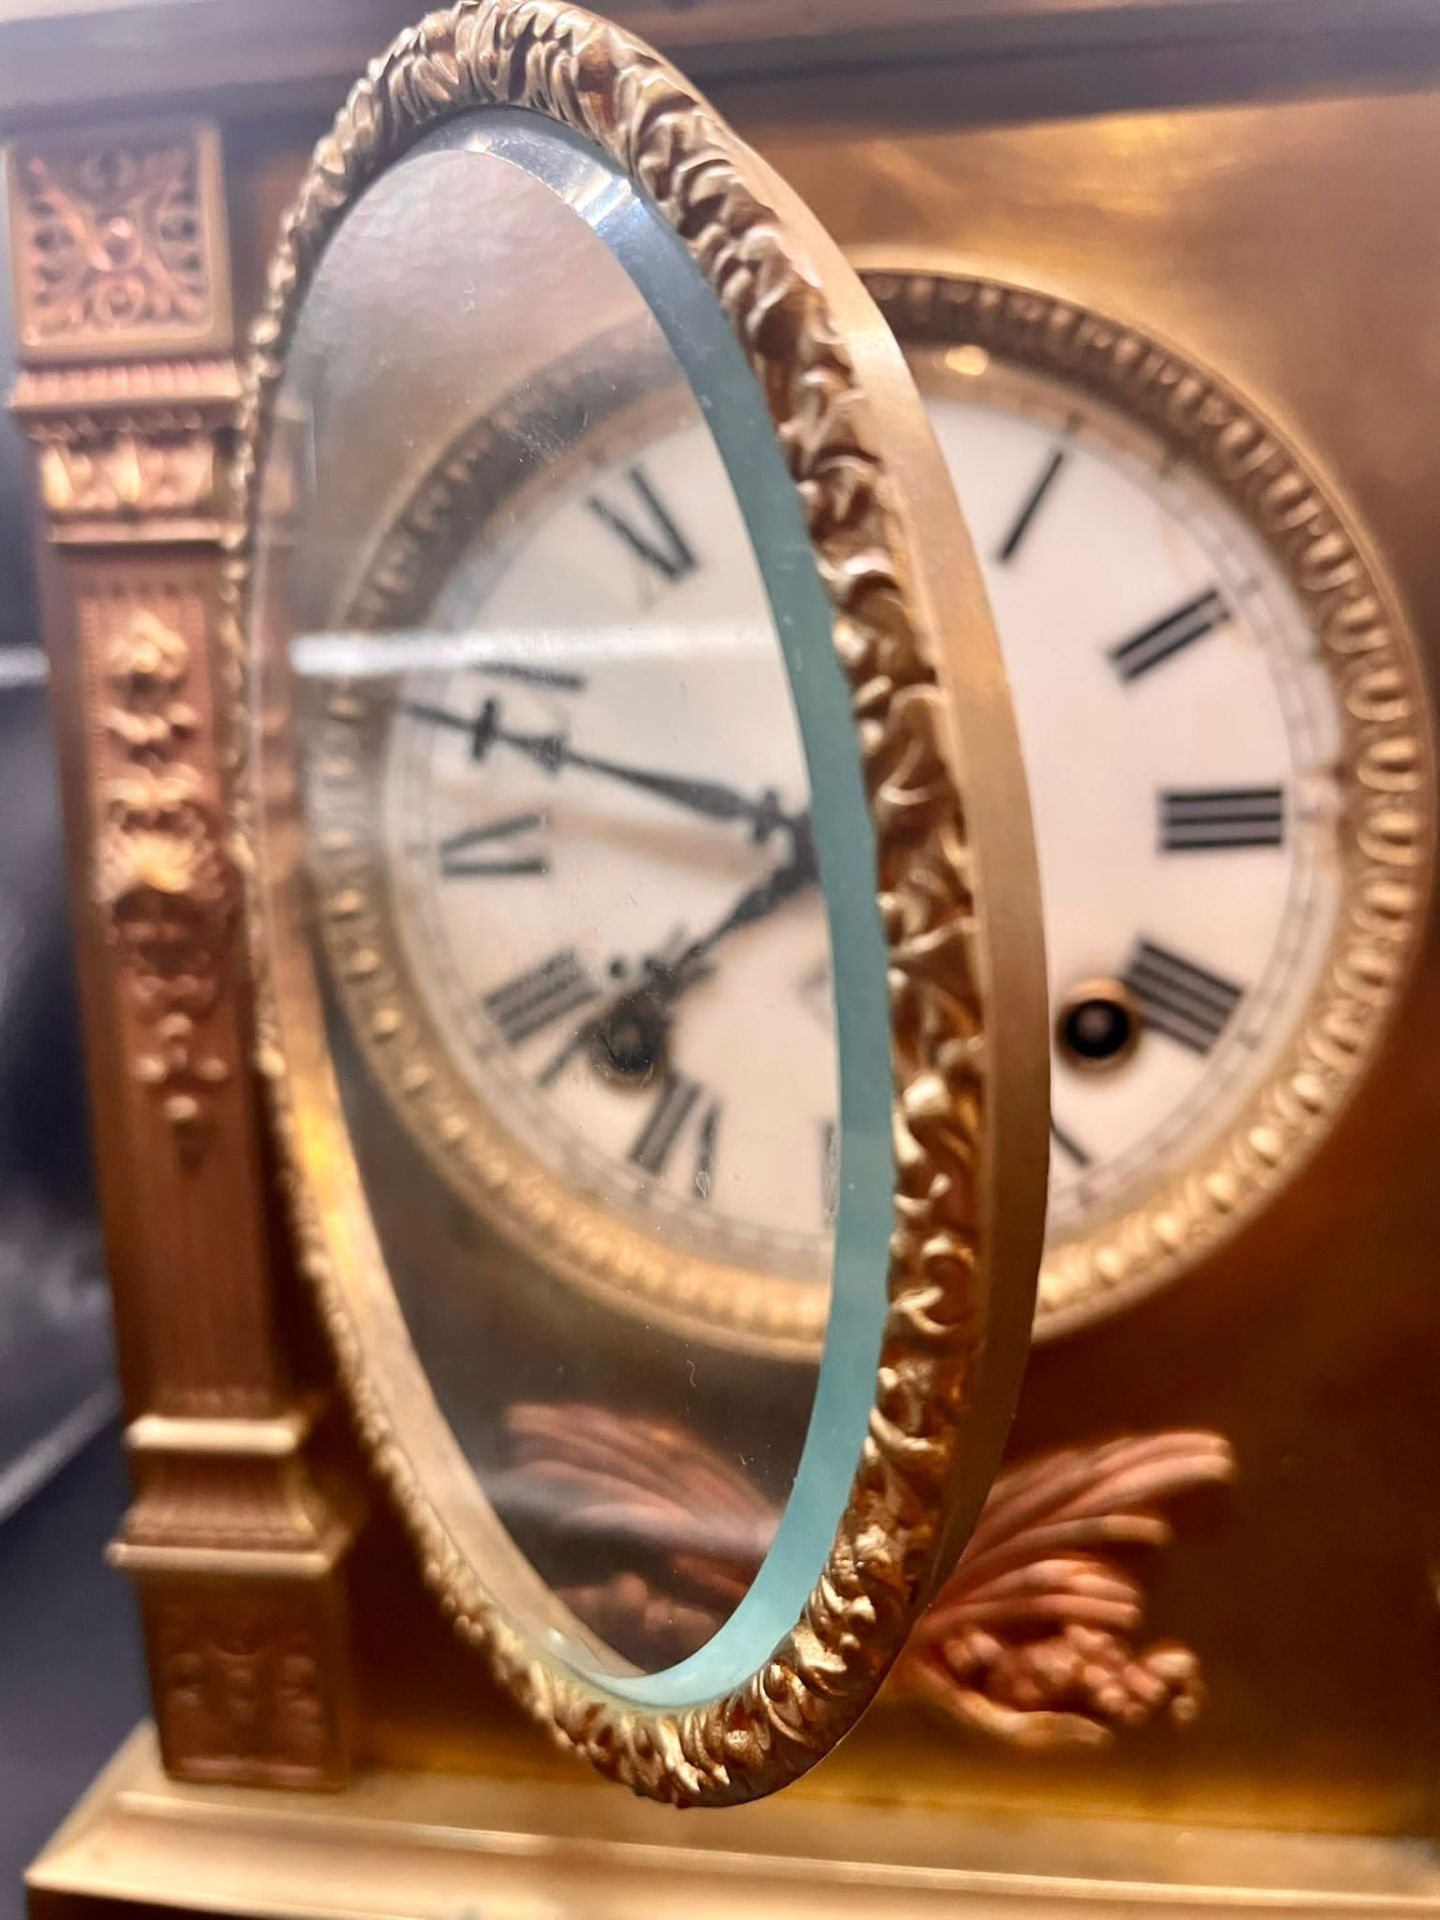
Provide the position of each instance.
(127, 389)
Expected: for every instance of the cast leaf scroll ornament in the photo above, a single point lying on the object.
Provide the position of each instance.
(161, 875)
(1034, 1640)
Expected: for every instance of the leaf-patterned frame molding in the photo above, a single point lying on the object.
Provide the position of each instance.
(955, 885)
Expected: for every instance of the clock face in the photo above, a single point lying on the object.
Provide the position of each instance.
(603, 875)
(1182, 737)
(561, 803)
(1185, 744)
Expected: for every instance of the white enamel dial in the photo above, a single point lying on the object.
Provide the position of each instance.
(545, 867)
(1181, 737)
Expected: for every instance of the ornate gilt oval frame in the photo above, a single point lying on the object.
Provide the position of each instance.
(1388, 776)
(966, 984)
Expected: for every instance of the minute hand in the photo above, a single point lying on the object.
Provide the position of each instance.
(552, 751)
(709, 797)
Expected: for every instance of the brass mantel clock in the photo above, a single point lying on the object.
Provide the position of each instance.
(601, 1091)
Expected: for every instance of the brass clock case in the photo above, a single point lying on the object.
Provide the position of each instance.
(1386, 824)
(956, 896)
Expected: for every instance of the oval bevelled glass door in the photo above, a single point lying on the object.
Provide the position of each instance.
(599, 938)
(566, 848)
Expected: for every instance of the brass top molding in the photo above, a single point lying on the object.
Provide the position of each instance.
(120, 262)
(59, 56)
(136, 395)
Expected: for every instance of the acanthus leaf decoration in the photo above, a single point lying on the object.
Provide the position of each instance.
(162, 876)
(1032, 1641)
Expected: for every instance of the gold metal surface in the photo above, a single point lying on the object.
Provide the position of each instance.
(958, 903)
(1289, 247)
(1256, 184)
(433, 1846)
(121, 258)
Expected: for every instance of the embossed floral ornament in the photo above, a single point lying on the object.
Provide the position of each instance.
(113, 240)
(147, 871)
(162, 874)
(1032, 1640)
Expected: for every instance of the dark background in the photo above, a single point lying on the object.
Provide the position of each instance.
(71, 1683)
(70, 1669)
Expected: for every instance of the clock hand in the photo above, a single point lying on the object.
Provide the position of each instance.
(630, 1039)
(757, 902)
(552, 751)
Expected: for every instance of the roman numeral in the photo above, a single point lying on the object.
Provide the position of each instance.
(562, 679)
(656, 1140)
(1030, 506)
(703, 1182)
(460, 861)
(538, 998)
(652, 536)
(1168, 636)
(1180, 999)
(829, 1172)
(1068, 1144)
(1198, 819)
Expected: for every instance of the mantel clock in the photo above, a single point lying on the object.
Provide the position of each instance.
(607, 1105)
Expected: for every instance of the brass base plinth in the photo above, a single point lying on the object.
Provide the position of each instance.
(424, 1845)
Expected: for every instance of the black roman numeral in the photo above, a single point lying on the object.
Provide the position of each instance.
(1068, 1144)
(562, 679)
(1180, 999)
(829, 1172)
(1030, 506)
(539, 997)
(656, 1140)
(459, 859)
(703, 1181)
(1166, 637)
(652, 535)
(1198, 819)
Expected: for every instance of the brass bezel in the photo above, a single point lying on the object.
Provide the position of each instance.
(967, 987)
(1387, 771)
